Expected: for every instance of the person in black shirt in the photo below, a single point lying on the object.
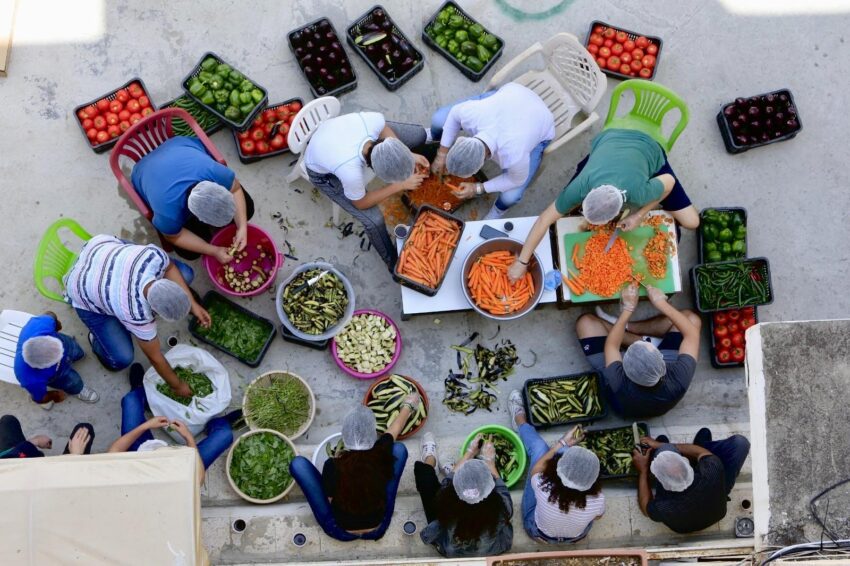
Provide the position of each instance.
(13, 443)
(646, 381)
(694, 480)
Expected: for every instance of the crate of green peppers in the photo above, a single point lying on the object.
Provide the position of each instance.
(732, 284)
(613, 447)
(224, 91)
(722, 234)
(235, 330)
(464, 42)
(208, 121)
(552, 401)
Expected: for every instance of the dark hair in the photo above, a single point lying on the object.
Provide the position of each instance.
(562, 495)
(362, 477)
(368, 156)
(470, 521)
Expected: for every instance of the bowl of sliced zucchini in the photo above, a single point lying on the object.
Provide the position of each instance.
(368, 346)
(385, 397)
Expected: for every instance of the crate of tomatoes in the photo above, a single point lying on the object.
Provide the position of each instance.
(268, 133)
(103, 120)
(622, 53)
(728, 340)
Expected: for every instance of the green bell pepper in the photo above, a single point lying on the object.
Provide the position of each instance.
(232, 113)
(221, 97)
(209, 64)
(247, 107)
(456, 21)
(453, 47)
(713, 257)
(739, 246)
(205, 76)
(461, 58)
(489, 41)
(236, 76)
(197, 88)
(221, 107)
(444, 16)
(208, 98)
(725, 248)
(736, 219)
(475, 31)
(442, 41)
(484, 53)
(469, 49)
(245, 98)
(740, 232)
(216, 82)
(474, 63)
(257, 95)
(710, 247)
(461, 36)
(223, 69)
(725, 235)
(437, 29)
(246, 86)
(234, 98)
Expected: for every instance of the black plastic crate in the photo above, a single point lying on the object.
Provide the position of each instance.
(733, 146)
(107, 145)
(354, 30)
(429, 151)
(401, 279)
(246, 121)
(293, 339)
(315, 89)
(212, 297)
(758, 264)
(700, 243)
(571, 377)
(474, 76)
(713, 340)
(253, 158)
(643, 430)
(632, 35)
(210, 130)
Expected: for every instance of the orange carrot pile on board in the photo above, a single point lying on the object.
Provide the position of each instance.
(428, 249)
(603, 273)
(655, 253)
(490, 287)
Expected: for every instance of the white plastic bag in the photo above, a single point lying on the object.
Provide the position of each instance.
(200, 410)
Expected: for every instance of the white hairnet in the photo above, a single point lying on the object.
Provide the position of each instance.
(473, 481)
(578, 468)
(359, 429)
(151, 445)
(43, 351)
(212, 204)
(465, 157)
(672, 470)
(392, 161)
(168, 300)
(603, 204)
(644, 364)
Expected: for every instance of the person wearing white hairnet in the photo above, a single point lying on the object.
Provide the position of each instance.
(511, 126)
(693, 481)
(44, 358)
(191, 196)
(563, 494)
(648, 380)
(468, 512)
(626, 170)
(345, 150)
(119, 290)
(354, 496)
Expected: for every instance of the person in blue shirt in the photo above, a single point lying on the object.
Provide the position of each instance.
(191, 195)
(43, 359)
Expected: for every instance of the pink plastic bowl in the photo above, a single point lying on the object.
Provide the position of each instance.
(390, 365)
(256, 236)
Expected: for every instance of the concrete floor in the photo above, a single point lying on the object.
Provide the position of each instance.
(713, 52)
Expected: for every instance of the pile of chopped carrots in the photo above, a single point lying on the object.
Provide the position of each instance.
(656, 252)
(490, 287)
(395, 211)
(601, 273)
(438, 194)
(428, 249)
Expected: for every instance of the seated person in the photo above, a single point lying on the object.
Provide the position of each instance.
(43, 359)
(469, 512)
(646, 381)
(354, 497)
(191, 195)
(13, 443)
(694, 480)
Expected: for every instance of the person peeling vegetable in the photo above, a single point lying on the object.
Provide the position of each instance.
(511, 125)
(191, 196)
(341, 154)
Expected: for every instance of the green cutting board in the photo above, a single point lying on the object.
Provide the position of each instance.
(637, 238)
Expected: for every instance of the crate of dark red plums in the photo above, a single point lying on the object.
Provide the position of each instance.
(268, 133)
(622, 53)
(322, 58)
(104, 119)
(758, 120)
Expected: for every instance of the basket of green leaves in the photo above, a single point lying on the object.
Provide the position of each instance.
(258, 466)
(279, 401)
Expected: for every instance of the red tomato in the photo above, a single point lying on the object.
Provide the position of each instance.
(626, 58)
(734, 315)
(605, 52)
(124, 115)
(243, 135)
(133, 105)
(83, 114)
(124, 125)
(99, 122)
(738, 339)
(115, 107)
(112, 118)
(593, 49)
(747, 322)
(737, 354)
(723, 356)
(602, 62)
(294, 107)
(147, 111)
(652, 49)
(102, 105)
(608, 42)
(629, 45)
(262, 147)
(636, 65)
(258, 121)
(247, 146)
(645, 73)
(721, 332)
(136, 90)
(595, 39)
(625, 69)
(642, 42)
(648, 61)
(721, 318)
(733, 327)
(135, 117)
(599, 29)
(122, 96)
(91, 133)
(724, 343)
(144, 102)
(614, 63)
(258, 134)
(749, 311)
(637, 54)
(621, 36)
(277, 142)
(283, 112)
(88, 123)
(284, 129)
(269, 115)
(114, 131)
(617, 48)
(102, 136)
(609, 33)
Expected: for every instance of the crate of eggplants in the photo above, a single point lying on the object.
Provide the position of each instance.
(385, 48)
(322, 58)
(758, 120)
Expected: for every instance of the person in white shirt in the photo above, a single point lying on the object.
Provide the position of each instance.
(340, 154)
(512, 126)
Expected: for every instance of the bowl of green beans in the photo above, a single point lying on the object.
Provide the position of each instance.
(279, 401)
(510, 451)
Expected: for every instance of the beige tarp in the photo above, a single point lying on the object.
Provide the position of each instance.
(134, 508)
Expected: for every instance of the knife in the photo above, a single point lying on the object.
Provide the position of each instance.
(641, 446)
(611, 240)
(309, 283)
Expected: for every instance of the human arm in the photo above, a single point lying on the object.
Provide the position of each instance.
(633, 220)
(488, 455)
(535, 236)
(173, 273)
(569, 440)
(641, 462)
(408, 408)
(183, 431)
(125, 441)
(373, 198)
(240, 239)
(187, 240)
(153, 351)
(629, 299)
(472, 450)
(690, 331)
(513, 177)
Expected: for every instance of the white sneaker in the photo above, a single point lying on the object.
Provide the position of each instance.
(428, 447)
(429, 137)
(88, 395)
(515, 407)
(495, 213)
(447, 468)
(46, 406)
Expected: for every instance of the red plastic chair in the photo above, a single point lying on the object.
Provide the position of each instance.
(145, 136)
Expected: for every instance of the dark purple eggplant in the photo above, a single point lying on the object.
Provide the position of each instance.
(779, 116)
(300, 52)
(769, 109)
(318, 61)
(336, 46)
(396, 55)
(381, 65)
(792, 124)
(323, 49)
(297, 39)
(306, 60)
(371, 27)
(753, 111)
(764, 136)
(406, 64)
(324, 26)
(330, 37)
(386, 25)
(344, 74)
(317, 37)
(310, 46)
(333, 58)
(741, 140)
(378, 15)
(331, 81)
(783, 97)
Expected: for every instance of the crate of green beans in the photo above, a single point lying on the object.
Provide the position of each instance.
(613, 447)
(732, 284)
(553, 401)
(208, 121)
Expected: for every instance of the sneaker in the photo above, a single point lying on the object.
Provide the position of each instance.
(447, 468)
(515, 407)
(88, 395)
(46, 406)
(428, 447)
(136, 374)
(609, 318)
(495, 213)
(702, 436)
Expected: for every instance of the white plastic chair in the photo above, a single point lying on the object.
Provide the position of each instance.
(11, 323)
(571, 83)
(303, 127)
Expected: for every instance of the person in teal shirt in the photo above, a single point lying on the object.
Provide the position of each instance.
(626, 169)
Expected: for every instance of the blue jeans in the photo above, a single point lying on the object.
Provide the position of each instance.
(219, 432)
(310, 481)
(67, 379)
(112, 343)
(732, 452)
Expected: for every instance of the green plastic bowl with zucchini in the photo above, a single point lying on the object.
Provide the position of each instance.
(510, 451)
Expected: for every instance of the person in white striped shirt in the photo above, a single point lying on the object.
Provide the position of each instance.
(563, 494)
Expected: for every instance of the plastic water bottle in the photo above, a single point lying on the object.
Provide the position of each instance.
(552, 280)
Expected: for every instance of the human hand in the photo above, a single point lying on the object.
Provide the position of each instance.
(156, 422)
(422, 164)
(517, 271)
(629, 298)
(182, 389)
(651, 442)
(488, 451)
(475, 445)
(42, 441)
(201, 314)
(222, 255)
(55, 396)
(465, 191)
(412, 183)
(640, 461)
(656, 295)
(55, 318)
(240, 239)
(630, 222)
(183, 430)
(574, 436)
(438, 166)
(413, 399)
(77, 444)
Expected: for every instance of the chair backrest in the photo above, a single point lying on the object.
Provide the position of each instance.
(576, 69)
(11, 324)
(652, 102)
(308, 119)
(53, 260)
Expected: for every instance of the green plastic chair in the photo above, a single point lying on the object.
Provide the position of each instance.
(53, 260)
(652, 103)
